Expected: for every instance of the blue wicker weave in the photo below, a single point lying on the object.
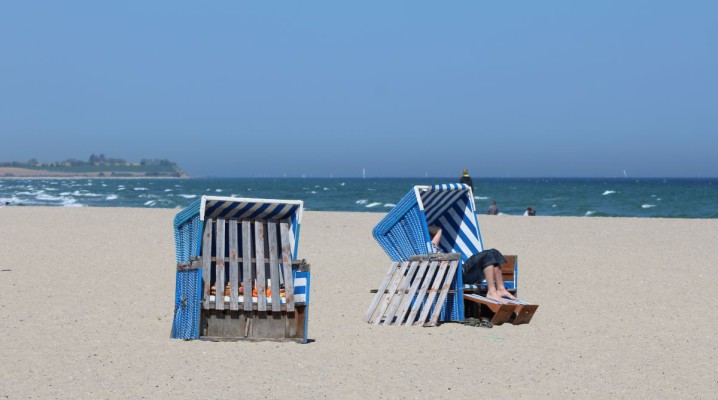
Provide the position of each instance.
(188, 229)
(403, 232)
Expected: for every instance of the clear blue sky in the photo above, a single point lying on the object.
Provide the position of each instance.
(263, 88)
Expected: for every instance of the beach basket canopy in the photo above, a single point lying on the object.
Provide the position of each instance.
(404, 230)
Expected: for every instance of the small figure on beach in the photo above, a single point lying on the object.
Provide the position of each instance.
(493, 210)
(487, 265)
(530, 212)
(435, 234)
(466, 179)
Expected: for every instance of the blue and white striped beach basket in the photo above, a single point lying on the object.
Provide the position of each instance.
(188, 229)
(404, 231)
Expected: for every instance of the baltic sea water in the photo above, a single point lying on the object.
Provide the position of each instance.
(591, 197)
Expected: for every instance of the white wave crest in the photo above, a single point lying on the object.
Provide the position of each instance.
(389, 205)
(648, 205)
(46, 197)
(188, 196)
(140, 188)
(362, 201)
(150, 203)
(480, 197)
(111, 197)
(607, 192)
(589, 213)
(370, 205)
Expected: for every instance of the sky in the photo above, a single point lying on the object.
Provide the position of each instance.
(397, 89)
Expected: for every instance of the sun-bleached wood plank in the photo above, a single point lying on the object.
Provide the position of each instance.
(287, 266)
(274, 265)
(453, 266)
(404, 307)
(219, 269)
(422, 293)
(380, 293)
(233, 266)
(395, 280)
(399, 295)
(247, 265)
(433, 291)
(207, 262)
(259, 256)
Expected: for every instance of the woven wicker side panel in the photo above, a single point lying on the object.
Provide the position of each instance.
(185, 324)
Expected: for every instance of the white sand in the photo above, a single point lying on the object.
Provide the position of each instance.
(627, 309)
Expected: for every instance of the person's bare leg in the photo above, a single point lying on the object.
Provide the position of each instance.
(492, 293)
(500, 288)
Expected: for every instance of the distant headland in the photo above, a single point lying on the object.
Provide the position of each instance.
(97, 166)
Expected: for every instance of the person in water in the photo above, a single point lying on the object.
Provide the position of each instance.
(530, 212)
(493, 210)
(466, 179)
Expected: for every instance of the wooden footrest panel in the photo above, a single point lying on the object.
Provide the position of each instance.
(502, 312)
(524, 311)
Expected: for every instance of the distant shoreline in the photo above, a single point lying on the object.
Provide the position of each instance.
(26, 173)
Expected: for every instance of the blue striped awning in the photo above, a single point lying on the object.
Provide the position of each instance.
(249, 209)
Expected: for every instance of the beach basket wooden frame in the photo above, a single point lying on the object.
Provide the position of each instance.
(404, 231)
(239, 244)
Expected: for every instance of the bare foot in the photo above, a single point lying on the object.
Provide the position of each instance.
(495, 297)
(507, 294)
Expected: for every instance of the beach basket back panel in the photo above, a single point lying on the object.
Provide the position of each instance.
(250, 209)
(255, 254)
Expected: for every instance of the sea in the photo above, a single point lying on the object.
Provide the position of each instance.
(582, 197)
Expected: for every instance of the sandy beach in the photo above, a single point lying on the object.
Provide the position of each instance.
(627, 310)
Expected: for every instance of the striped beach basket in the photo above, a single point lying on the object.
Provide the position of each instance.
(404, 232)
(237, 270)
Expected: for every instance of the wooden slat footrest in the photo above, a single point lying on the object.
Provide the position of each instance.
(524, 311)
(502, 312)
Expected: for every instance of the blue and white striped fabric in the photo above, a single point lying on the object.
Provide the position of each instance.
(451, 207)
(404, 231)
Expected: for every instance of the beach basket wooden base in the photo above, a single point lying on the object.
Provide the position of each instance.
(227, 325)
